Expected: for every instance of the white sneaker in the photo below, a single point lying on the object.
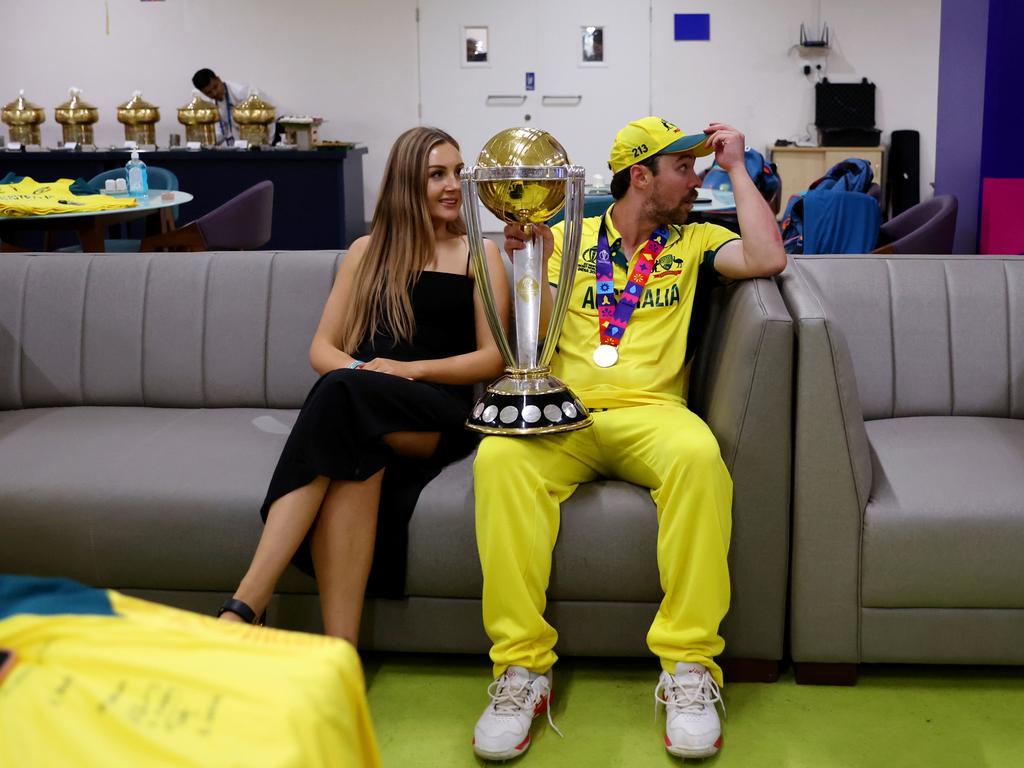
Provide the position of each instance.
(503, 730)
(692, 728)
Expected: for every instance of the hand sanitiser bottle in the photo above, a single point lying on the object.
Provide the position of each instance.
(138, 178)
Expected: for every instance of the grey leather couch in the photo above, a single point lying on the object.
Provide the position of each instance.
(908, 475)
(144, 400)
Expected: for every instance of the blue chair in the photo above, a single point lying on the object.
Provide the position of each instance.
(159, 178)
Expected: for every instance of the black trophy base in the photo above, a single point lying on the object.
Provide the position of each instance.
(531, 413)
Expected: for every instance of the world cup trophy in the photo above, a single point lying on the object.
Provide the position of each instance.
(524, 176)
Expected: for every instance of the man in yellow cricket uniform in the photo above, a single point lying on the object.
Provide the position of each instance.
(623, 350)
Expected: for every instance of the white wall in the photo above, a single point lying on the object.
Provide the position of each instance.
(355, 62)
(750, 74)
(352, 61)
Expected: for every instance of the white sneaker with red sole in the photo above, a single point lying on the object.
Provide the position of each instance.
(503, 730)
(692, 727)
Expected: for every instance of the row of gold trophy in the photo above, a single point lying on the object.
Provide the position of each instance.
(76, 117)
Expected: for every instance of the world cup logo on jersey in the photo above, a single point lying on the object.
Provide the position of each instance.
(524, 176)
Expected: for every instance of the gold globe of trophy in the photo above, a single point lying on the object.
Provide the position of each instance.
(524, 176)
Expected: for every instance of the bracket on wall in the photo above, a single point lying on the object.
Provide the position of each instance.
(816, 46)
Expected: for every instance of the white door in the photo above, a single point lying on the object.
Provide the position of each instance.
(473, 100)
(582, 103)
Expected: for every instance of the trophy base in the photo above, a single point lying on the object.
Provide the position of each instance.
(526, 404)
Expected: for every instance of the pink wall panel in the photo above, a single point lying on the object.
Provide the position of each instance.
(1002, 216)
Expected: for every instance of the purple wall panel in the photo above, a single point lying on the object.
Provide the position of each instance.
(963, 59)
(1004, 86)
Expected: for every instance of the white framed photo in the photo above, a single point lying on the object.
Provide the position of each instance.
(592, 46)
(475, 46)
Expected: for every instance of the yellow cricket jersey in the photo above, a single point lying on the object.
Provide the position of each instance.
(650, 368)
(32, 198)
(102, 679)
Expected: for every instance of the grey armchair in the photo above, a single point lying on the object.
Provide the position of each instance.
(908, 471)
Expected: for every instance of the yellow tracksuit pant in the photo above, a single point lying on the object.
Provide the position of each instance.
(520, 483)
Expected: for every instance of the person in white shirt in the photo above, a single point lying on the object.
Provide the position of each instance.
(225, 94)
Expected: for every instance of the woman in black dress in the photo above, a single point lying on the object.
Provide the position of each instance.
(402, 339)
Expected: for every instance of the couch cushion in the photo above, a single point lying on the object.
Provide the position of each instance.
(179, 330)
(945, 524)
(161, 498)
(168, 498)
(928, 336)
(606, 548)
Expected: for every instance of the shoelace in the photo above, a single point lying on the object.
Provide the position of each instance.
(507, 700)
(688, 698)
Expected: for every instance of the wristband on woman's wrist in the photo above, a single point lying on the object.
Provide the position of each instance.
(355, 364)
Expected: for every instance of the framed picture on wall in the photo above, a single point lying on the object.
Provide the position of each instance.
(592, 46)
(475, 47)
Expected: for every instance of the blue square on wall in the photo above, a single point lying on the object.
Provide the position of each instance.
(693, 26)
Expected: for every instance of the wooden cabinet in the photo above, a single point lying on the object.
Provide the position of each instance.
(799, 166)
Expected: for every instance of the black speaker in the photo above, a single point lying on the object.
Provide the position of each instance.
(903, 178)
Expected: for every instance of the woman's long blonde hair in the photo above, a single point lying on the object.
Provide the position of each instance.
(401, 244)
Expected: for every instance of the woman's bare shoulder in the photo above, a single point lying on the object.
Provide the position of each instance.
(358, 246)
(355, 253)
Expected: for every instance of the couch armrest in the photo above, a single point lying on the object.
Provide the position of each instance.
(741, 385)
(831, 482)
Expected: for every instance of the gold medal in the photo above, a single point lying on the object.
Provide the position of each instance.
(605, 356)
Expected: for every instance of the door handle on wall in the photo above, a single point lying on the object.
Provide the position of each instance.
(561, 101)
(509, 100)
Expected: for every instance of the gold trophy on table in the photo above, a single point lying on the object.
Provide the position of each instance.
(524, 176)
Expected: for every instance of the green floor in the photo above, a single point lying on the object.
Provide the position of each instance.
(424, 708)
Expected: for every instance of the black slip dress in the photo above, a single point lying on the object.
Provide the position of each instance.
(339, 430)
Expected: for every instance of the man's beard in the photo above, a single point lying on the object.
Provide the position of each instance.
(674, 215)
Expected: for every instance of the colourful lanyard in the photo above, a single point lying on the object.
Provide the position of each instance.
(227, 131)
(614, 316)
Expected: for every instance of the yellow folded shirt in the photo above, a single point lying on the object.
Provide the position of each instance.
(29, 197)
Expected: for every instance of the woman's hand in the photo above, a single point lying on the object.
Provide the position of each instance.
(392, 367)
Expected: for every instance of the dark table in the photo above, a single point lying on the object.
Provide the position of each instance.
(318, 195)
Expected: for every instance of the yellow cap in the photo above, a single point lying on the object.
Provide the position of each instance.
(650, 136)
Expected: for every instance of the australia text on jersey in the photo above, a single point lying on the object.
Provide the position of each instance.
(653, 296)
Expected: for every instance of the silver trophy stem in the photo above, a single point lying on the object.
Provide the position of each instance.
(527, 282)
(570, 258)
(471, 214)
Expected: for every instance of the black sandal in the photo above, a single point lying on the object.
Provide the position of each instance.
(242, 610)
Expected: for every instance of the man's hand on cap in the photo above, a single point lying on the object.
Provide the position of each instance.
(728, 144)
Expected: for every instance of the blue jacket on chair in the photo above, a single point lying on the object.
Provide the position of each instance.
(835, 215)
